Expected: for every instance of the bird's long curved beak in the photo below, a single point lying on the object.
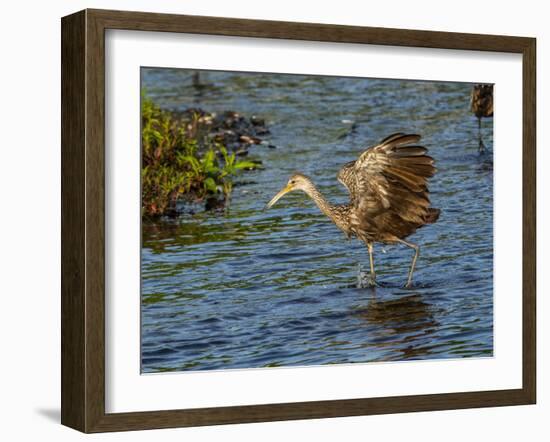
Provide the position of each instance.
(277, 197)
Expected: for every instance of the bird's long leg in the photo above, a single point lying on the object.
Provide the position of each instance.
(371, 260)
(415, 257)
(481, 147)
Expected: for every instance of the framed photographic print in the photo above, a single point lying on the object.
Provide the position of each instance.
(267, 221)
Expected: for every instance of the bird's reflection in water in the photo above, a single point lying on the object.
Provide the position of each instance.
(486, 165)
(402, 324)
(201, 86)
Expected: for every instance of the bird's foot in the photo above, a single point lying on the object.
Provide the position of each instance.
(365, 279)
(408, 285)
(367, 282)
(371, 283)
(481, 148)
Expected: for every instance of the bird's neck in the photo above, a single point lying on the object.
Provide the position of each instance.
(327, 208)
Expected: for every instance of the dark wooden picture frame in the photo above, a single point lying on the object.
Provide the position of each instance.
(83, 220)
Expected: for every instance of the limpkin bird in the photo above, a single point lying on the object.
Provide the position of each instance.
(481, 104)
(389, 197)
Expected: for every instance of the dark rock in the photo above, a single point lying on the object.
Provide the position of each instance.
(256, 121)
(249, 139)
(228, 128)
(262, 130)
(214, 203)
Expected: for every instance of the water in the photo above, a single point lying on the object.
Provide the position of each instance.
(278, 288)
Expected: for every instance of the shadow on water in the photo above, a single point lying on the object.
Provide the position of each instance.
(277, 288)
(401, 321)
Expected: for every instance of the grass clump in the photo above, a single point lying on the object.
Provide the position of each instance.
(176, 166)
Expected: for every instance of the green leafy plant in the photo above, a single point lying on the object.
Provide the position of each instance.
(174, 167)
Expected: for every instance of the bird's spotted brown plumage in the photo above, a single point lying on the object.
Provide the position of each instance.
(481, 100)
(389, 197)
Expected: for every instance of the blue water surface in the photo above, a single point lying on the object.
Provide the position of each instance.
(256, 288)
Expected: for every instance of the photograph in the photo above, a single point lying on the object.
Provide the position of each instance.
(307, 220)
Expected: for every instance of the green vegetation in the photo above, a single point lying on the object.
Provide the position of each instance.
(177, 164)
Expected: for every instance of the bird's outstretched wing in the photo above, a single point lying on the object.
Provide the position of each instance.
(347, 178)
(390, 177)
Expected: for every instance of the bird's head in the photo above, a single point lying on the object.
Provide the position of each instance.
(295, 182)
